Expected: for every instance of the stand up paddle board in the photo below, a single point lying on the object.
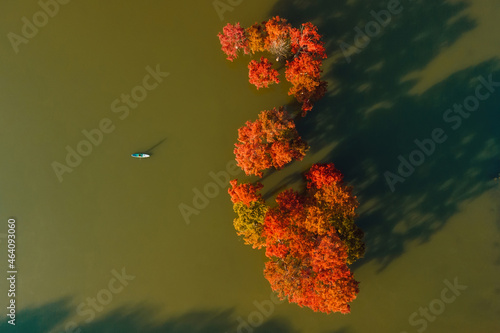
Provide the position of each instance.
(141, 155)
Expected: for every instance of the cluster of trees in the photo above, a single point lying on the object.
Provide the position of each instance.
(310, 238)
(300, 48)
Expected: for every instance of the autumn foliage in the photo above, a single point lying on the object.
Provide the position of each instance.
(300, 48)
(310, 239)
(278, 41)
(303, 72)
(270, 141)
(326, 190)
(262, 73)
(256, 37)
(233, 40)
(250, 209)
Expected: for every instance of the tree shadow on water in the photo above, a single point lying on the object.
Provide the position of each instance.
(54, 317)
(39, 319)
(372, 115)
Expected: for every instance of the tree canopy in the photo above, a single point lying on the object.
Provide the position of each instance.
(270, 141)
(309, 238)
(301, 48)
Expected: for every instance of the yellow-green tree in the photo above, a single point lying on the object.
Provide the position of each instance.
(251, 211)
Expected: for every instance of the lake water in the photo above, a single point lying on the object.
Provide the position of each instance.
(103, 247)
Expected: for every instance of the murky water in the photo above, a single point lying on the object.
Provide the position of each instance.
(109, 227)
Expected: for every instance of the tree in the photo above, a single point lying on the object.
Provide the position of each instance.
(233, 39)
(271, 141)
(278, 40)
(244, 193)
(308, 40)
(322, 175)
(250, 209)
(250, 150)
(261, 73)
(303, 72)
(256, 35)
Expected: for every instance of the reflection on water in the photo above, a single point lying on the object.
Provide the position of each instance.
(113, 211)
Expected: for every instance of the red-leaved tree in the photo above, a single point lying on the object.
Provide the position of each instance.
(303, 72)
(261, 73)
(270, 141)
(308, 40)
(233, 39)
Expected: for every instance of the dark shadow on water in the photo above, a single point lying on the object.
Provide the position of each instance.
(149, 151)
(42, 319)
(283, 184)
(496, 210)
(55, 316)
(373, 118)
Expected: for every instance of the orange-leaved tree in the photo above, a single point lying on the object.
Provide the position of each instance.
(303, 72)
(256, 36)
(270, 141)
(278, 41)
